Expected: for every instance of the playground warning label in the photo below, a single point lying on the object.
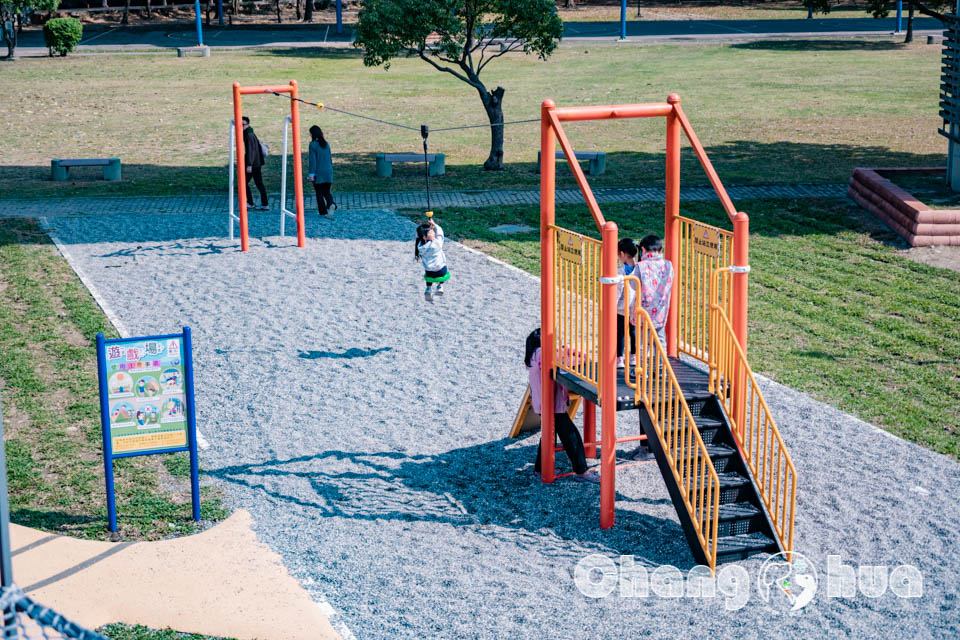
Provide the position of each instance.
(706, 241)
(570, 247)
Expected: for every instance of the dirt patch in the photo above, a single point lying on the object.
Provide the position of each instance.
(943, 257)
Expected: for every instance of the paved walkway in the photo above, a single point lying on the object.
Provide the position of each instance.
(222, 582)
(51, 207)
(170, 36)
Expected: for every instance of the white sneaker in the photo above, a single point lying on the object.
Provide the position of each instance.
(428, 294)
(440, 289)
(633, 360)
(620, 362)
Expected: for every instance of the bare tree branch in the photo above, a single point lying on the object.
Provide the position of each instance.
(513, 46)
(455, 74)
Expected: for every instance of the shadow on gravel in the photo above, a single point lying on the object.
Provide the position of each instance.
(348, 354)
(487, 489)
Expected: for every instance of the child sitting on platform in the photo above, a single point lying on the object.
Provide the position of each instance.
(563, 425)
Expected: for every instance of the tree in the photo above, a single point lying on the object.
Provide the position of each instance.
(817, 6)
(464, 37)
(932, 8)
(12, 15)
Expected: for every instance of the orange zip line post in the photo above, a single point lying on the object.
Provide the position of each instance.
(238, 92)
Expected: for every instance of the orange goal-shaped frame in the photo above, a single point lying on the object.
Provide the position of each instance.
(238, 92)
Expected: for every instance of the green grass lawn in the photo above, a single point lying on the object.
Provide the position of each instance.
(767, 112)
(835, 311)
(51, 412)
(139, 632)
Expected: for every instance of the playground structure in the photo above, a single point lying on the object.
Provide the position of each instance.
(721, 455)
(237, 157)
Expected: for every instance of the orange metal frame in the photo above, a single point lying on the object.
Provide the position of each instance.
(238, 92)
(551, 132)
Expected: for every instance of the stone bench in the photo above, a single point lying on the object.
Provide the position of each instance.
(598, 160)
(385, 162)
(60, 167)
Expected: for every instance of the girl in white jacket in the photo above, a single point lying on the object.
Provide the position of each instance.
(428, 249)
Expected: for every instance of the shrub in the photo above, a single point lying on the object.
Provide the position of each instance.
(62, 34)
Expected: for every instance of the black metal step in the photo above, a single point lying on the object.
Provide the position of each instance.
(741, 546)
(708, 428)
(736, 511)
(732, 480)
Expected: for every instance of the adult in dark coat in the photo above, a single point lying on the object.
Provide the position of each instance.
(320, 169)
(253, 158)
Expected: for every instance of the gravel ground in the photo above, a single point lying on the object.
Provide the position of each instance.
(363, 427)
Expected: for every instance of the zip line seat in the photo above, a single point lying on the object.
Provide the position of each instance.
(385, 162)
(60, 167)
(598, 160)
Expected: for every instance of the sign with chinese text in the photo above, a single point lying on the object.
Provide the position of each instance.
(570, 247)
(706, 241)
(145, 389)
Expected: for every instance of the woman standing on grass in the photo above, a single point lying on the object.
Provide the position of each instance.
(320, 171)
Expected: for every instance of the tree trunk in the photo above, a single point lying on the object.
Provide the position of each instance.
(308, 11)
(279, 18)
(105, 5)
(126, 13)
(149, 10)
(493, 104)
(296, 6)
(570, 4)
(909, 37)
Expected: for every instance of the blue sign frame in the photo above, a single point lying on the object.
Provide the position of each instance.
(191, 446)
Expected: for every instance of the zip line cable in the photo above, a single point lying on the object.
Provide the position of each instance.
(322, 106)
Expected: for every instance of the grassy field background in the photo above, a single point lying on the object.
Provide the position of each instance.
(767, 112)
(51, 411)
(835, 311)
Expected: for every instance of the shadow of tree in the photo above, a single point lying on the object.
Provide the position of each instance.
(460, 488)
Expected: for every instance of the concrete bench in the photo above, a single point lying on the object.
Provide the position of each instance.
(60, 168)
(385, 162)
(598, 160)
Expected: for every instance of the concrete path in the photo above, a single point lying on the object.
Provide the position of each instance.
(53, 207)
(222, 582)
(168, 37)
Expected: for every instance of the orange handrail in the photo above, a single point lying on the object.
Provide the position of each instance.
(754, 429)
(655, 386)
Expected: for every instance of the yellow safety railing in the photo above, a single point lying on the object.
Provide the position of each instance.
(761, 445)
(577, 308)
(656, 386)
(703, 248)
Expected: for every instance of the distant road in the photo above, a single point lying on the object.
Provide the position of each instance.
(638, 32)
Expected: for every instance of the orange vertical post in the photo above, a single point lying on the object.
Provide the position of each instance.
(741, 267)
(608, 375)
(548, 147)
(297, 164)
(241, 167)
(590, 428)
(741, 264)
(671, 222)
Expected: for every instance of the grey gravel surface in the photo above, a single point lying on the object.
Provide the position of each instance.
(364, 428)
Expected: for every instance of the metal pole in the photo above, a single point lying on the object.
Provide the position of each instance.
(220, 12)
(590, 428)
(608, 376)
(671, 222)
(623, 19)
(196, 8)
(230, 179)
(6, 566)
(105, 432)
(339, 17)
(241, 166)
(297, 165)
(191, 423)
(899, 16)
(548, 347)
(283, 176)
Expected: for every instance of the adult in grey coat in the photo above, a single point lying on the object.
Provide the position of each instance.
(320, 171)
